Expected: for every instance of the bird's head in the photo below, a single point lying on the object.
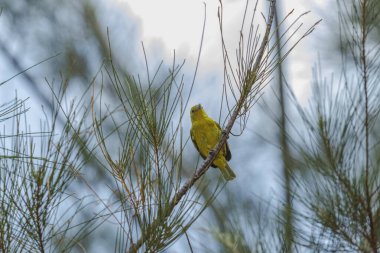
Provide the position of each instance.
(197, 112)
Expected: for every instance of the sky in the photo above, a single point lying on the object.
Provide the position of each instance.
(168, 25)
(177, 24)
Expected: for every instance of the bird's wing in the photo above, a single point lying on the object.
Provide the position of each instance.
(228, 152)
(195, 143)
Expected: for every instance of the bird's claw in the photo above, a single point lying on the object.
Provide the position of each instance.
(224, 132)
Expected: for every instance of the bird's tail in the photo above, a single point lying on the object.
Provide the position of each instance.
(227, 173)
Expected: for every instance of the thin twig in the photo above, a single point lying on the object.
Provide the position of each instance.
(224, 136)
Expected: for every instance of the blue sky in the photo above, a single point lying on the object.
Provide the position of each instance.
(167, 25)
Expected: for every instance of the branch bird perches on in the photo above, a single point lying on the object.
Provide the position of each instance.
(247, 86)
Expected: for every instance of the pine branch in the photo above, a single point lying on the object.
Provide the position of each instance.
(248, 85)
(363, 59)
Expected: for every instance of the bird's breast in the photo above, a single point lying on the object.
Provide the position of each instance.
(206, 132)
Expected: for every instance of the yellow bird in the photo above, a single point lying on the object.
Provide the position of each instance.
(205, 134)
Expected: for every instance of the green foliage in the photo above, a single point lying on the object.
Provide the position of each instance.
(36, 169)
(340, 192)
(147, 167)
(132, 134)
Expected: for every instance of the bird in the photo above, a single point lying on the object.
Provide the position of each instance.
(205, 134)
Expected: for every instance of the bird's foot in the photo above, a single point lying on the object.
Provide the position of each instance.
(224, 132)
